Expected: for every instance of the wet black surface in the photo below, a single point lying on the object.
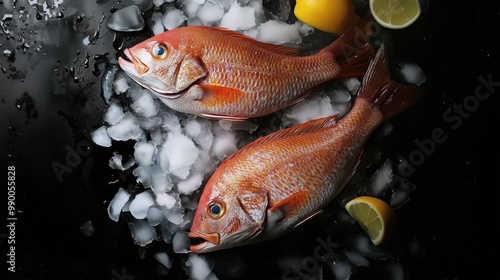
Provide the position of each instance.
(51, 100)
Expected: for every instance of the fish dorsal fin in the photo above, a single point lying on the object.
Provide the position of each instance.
(299, 129)
(276, 48)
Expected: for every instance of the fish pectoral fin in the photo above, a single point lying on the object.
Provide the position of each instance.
(254, 202)
(190, 70)
(289, 206)
(215, 95)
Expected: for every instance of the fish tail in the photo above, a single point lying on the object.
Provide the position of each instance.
(352, 51)
(386, 96)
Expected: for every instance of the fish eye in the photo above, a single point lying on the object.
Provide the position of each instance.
(216, 209)
(159, 50)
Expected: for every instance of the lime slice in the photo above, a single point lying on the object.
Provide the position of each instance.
(395, 14)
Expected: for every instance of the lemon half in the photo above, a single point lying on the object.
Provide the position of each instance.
(333, 16)
(395, 14)
(374, 216)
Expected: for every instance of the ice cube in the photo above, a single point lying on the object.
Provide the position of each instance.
(157, 27)
(276, 32)
(126, 20)
(143, 175)
(341, 268)
(113, 114)
(198, 267)
(144, 153)
(141, 203)
(164, 259)
(156, 135)
(165, 200)
(200, 131)
(143, 103)
(193, 128)
(170, 122)
(181, 242)
(238, 17)
(364, 246)
(166, 235)
(399, 197)
(382, 178)
(161, 181)
(155, 215)
(356, 259)
(193, 21)
(305, 29)
(210, 13)
(126, 129)
(339, 96)
(173, 18)
(120, 84)
(412, 73)
(150, 123)
(181, 153)
(100, 137)
(224, 144)
(142, 233)
(191, 7)
(158, 3)
(190, 184)
(174, 215)
(315, 107)
(352, 84)
(115, 206)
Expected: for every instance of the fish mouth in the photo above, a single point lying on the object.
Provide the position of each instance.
(131, 62)
(204, 242)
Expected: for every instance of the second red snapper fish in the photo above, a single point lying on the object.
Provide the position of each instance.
(220, 74)
(278, 181)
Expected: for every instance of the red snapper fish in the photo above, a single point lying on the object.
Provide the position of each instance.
(277, 182)
(220, 74)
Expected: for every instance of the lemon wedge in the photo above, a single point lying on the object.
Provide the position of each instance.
(395, 14)
(374, 216)
(333, 16)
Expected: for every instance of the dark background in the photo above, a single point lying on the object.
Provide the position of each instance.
(50, 102)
